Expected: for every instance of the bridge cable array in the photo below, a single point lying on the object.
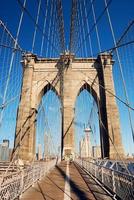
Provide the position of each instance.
(55, 41)
(121, 70)
(81, 35)
(52, 43)
(11, 52)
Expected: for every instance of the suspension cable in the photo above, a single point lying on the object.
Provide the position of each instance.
(44, 28)
(108, 91)
(49, 27)
(12, 59)
(96, 27)
(82, 25)
(9, 33)
(120, 68)
(38, 27)
(35, 30)
(90, 42)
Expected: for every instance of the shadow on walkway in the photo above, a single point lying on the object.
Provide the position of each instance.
(98, 192)
(73, 187)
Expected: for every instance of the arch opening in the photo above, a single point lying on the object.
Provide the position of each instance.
(86, 122)
(48, 125)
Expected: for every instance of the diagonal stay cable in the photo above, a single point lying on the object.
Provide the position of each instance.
(108, 91)
(120, 68)
(12, 60)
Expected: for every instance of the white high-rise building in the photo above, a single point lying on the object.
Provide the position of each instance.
(96, 151)
(39, 151)
(46, 146)
(85, 144)
(82, 148)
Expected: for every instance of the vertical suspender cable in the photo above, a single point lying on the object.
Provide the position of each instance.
(37, 19)
(82, 22)
(44, 29)
(53, 31)
(51, 16)
(54, 39)
(96, 27)
(90, 42)
(80, 33)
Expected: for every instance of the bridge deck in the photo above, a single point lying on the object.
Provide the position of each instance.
(68, 182)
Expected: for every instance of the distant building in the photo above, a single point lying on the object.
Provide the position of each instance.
(36, 156)
(46, 146)
(4, 153)
(10, 153)
(82, 148)
(5, 143)
(85, 144)
(39, 151)
(96, 151)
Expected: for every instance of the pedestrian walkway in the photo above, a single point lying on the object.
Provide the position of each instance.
(66, 182)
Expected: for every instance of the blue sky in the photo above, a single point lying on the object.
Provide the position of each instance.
(121, 11)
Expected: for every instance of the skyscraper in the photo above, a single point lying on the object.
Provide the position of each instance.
(39, 151)
(4, 150)
(85, 144)
(46, 146)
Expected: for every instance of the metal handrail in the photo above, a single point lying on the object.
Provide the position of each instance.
(119, 183)
(13, 185)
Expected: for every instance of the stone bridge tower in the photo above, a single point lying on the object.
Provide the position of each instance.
(67, 76)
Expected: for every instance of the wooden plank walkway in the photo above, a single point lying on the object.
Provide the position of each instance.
(66, 182)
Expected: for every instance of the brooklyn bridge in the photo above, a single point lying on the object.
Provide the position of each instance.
(66, 100)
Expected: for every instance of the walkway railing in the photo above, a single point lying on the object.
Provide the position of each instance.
(121, 184)
(14, 184)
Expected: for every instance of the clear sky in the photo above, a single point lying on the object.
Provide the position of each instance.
(121, 11)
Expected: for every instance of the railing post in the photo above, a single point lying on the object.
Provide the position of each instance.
(102, 175)
(45, 169)
(41, 168)
(95, 171)
(33, 175)
(113, 182)
(88, 166)
(22, 182)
